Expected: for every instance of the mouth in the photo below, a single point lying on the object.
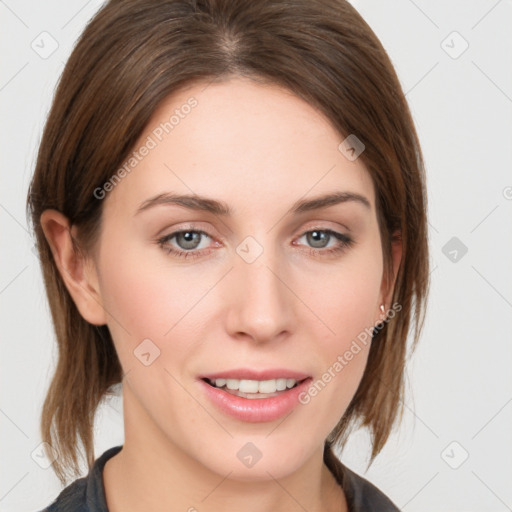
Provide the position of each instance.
(254, 389)
(252, 396)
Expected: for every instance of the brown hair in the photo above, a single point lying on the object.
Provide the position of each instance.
(131, 56)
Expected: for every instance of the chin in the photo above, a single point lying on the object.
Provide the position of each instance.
(254, 458)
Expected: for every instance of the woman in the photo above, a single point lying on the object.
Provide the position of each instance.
(229, 204)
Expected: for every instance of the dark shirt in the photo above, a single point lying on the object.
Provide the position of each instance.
(87, 494)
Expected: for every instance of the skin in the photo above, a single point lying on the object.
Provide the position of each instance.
(259, 149)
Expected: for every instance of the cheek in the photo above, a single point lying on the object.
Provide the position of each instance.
(345, 302)
(147, 299)
(154, 316)
(346, 297)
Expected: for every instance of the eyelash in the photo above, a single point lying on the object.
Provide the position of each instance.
(344, 242)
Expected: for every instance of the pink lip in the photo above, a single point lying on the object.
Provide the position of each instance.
(258, 409)
(248, 374)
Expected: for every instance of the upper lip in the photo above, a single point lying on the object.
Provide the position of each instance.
(251, 374)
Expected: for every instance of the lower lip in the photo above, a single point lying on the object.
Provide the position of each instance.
(256, 409)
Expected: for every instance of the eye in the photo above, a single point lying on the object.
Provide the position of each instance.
(187, 241)
(318, 240)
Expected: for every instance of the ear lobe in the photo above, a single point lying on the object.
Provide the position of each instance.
(78, 273)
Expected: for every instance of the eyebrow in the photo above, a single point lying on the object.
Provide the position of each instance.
(200, 203)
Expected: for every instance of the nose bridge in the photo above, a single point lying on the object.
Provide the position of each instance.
(261, 306)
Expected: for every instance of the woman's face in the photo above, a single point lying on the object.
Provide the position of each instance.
(277, 288)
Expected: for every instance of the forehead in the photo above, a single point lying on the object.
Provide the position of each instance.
(241, 141)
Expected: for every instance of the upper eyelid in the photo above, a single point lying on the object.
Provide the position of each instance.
(314, 224)
(196, 229)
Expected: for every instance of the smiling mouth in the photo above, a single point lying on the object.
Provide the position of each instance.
(254, 389)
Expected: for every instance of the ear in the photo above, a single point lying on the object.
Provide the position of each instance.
(388, 285)
(78, 273)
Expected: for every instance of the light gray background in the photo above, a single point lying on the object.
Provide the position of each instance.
(459, 399)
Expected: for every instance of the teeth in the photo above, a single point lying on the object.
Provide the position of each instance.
(281, 384)
(255, 386)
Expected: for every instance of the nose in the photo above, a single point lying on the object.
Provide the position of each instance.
(261, 304)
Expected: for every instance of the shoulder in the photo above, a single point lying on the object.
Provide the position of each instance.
(365, 495)
(86, 494)
(72, 498)
(361, 494)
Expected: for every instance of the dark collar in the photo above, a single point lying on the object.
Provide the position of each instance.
(361, 495)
